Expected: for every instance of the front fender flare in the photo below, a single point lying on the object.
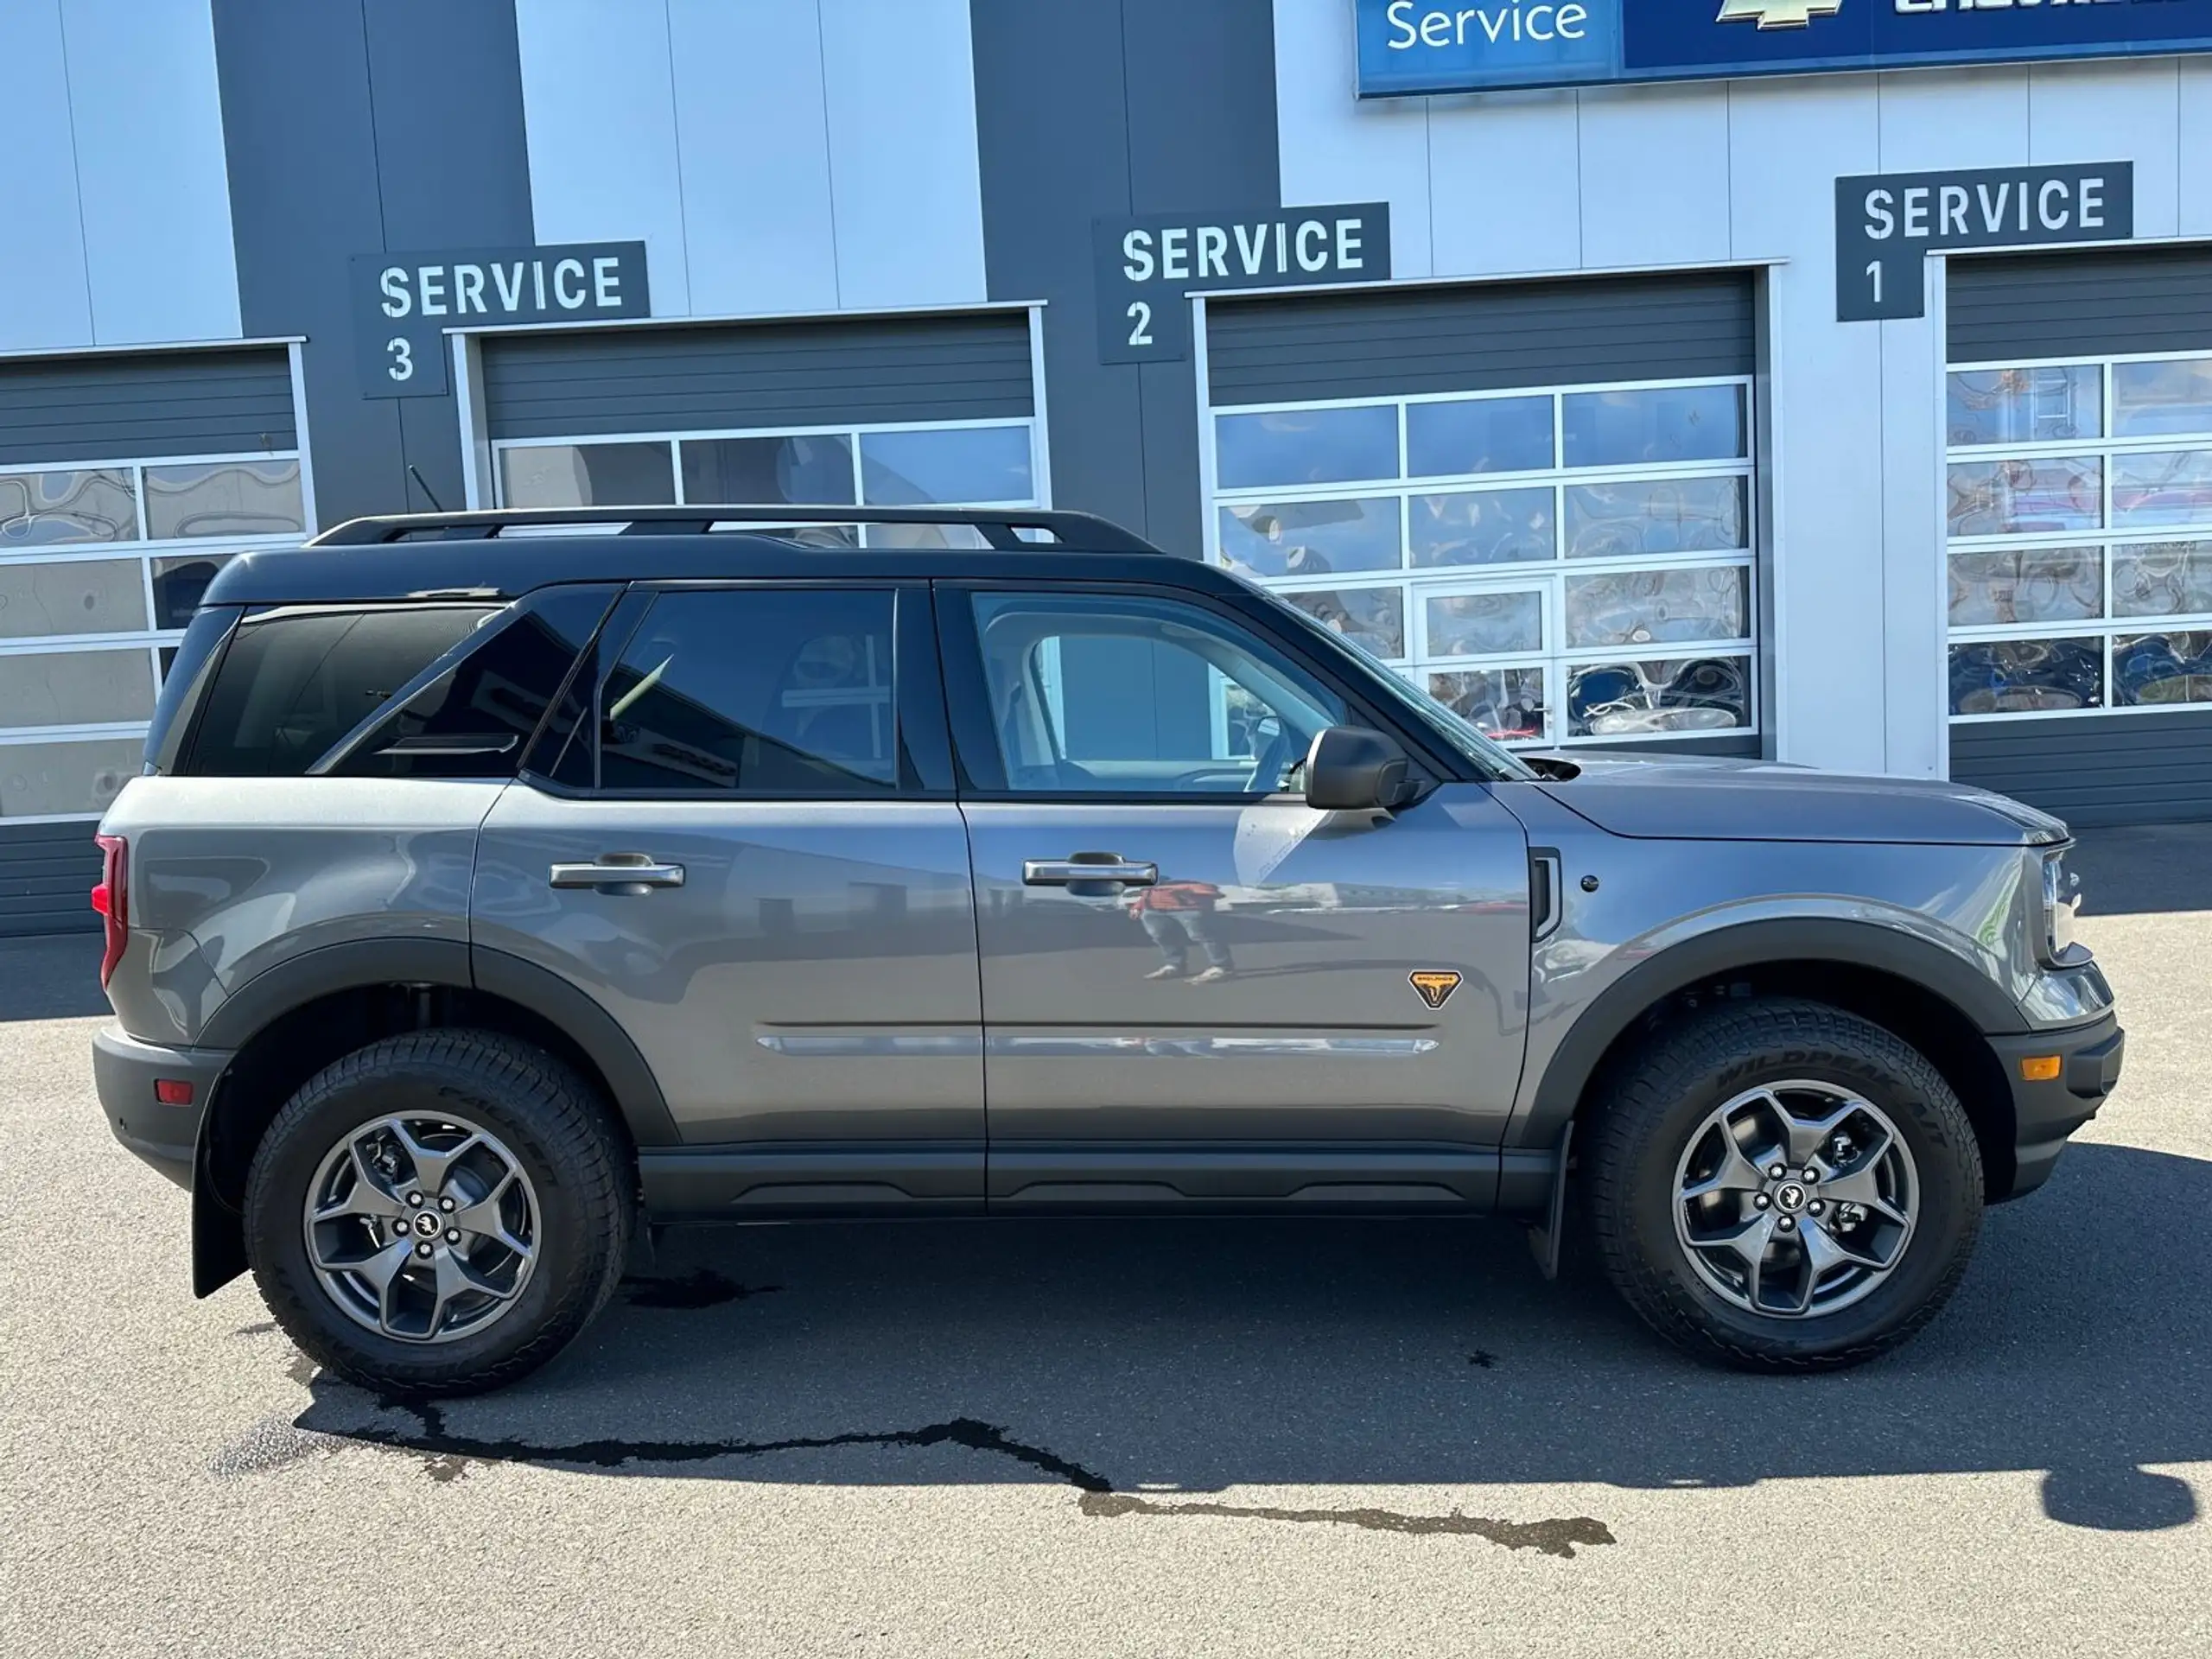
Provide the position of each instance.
(1734, 949)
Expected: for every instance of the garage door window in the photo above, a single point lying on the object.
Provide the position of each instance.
(2079, 514)
(101, 566)
(1567, 566)
(956, 464)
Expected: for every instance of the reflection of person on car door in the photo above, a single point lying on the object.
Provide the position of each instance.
(1177, 915)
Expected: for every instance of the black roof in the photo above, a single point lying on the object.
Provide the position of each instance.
(457, 555)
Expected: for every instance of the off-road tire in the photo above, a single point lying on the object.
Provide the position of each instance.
(552, 1121)
(1649, 1104)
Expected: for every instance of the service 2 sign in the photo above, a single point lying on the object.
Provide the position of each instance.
(404, 302)
(1146, 267)
(1886, 222)
(1411, 47)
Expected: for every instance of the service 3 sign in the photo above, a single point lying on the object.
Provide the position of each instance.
(404, 302)
(1886, 222)
(1409, 46)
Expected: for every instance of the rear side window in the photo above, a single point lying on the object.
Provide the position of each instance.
(763, 692)
(184, 682)
(476, 718)
(295, 680)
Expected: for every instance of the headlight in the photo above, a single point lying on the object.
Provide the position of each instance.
(2061, 897)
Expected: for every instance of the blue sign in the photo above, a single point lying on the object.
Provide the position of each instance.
(1411, 47)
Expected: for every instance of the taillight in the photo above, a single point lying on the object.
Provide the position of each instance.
(111, 898)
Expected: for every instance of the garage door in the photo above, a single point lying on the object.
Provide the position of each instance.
(125, 482)
(930, 410)
(2079, 507)
(1535, 500)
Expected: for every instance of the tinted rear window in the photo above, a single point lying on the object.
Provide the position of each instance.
(295, 680)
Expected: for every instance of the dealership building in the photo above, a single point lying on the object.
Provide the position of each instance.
(1823, 380)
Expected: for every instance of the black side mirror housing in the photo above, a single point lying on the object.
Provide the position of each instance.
(1351, 769)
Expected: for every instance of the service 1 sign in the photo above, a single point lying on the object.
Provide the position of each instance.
(1146, 267)
(404, 302)
(1886, 222)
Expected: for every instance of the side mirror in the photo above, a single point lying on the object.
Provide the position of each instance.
(1350, 769)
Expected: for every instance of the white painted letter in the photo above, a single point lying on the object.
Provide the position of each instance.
(1315, 229)
(467, 289)
(1252, 250)
(509, 293)
(606, 284)
(2092, 216)
(1136, 256)
(398, 302)
(1880, 221)
(1916, 211)
(1572, 22)
(1174, 254)
(1213, 248)
(1399, 13)
(562, 272)
(430, 284)
(1348, 257)
(2043, 204)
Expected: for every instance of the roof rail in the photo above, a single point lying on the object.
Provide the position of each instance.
(999, 527)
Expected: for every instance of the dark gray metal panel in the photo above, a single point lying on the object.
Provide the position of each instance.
(2133, 768)
(1482, 337)
(356, 126)
(1738, 745)
(958, 367)
(160, 403)
(47, 872)
(1113, 108)
(2089, 304)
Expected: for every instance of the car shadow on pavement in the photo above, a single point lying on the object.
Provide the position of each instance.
(52, 978)
(2144, 870)
(1144, 1365)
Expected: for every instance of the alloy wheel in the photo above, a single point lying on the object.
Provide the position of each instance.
(1796, 1200)
(421, 1229)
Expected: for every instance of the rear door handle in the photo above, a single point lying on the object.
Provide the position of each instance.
(625, 873)
(1086, 869)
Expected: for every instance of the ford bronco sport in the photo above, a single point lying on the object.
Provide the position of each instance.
(487, 894)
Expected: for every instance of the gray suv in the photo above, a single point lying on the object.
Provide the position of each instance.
(488, 894)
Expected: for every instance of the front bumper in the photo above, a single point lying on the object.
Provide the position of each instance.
(2046, 1113)
(124, 1071)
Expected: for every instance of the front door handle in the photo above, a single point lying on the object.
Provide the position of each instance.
(1087, 869)
(628, 875)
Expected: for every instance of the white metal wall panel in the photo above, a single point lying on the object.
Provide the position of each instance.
(2194, 117)
(1491, 215)
(43, 302)
(1335, 149)
(906, 183)
(1952, 118)
(2114, 111)
(599, 99)
(754, 168)
(1655, 174)
(152, 182)
(1788, 142)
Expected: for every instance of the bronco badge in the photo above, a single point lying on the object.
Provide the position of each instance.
(1435, 986)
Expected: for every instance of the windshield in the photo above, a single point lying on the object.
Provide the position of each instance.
(1461, 736)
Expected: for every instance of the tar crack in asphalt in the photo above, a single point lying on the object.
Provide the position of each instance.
(449, 1455)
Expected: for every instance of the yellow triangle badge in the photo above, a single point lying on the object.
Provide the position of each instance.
(1435, 985)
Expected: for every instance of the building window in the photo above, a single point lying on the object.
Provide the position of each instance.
(2078, 510)
(101, 566)
(952, 464)
(1565, 566)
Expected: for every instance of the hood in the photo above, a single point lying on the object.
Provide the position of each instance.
(1703, 798)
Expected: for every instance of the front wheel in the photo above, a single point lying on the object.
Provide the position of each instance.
(1782, 1186)
(439, 1213)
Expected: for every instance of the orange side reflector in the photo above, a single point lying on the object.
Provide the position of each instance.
(2039, 1068)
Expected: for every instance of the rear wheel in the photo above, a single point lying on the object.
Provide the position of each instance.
(1782, 1186)
(439, 1213)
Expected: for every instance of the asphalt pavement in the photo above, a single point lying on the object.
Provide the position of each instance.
(1099, 1438)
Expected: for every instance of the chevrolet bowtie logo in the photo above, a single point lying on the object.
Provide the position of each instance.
(1776, 14)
